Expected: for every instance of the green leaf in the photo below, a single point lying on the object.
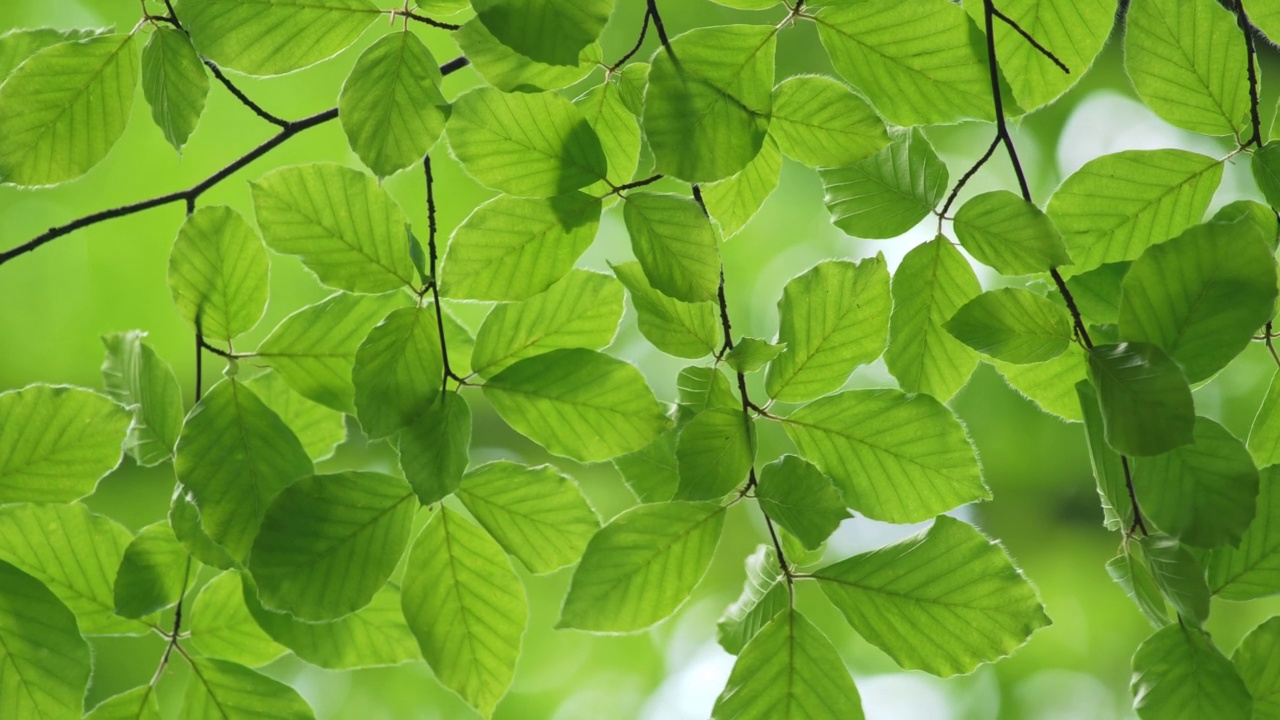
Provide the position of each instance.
(886, 194)
(582, 309)
(548, 31)
(318, 428)
(1266, 171)
(701, 389)
(433, 449)
(714, 452)
(932, 282)
(1264, 16)
(675, 244)
(1013, 325)
(76, 556)
(372, 636)
(1200, 296)
(633, 81)
(399, 370)
(1116, 206)
(1182, 56)
(535, 513)
(797, 496)
(617, 129)
(153, 572)
(1178, 674)
(467, 608)
(273, 37)
(221, 626)
(1129, 571)
(139, 703)
(70, 439)
(707, 108)
(345, 227)
(895, 457)
(642, 566)
(174, 83)
(136, 377)
(314, 349)
(1178, 575)
(747, 4)
(44, 662)
(234, 455)
(1252, 569)
(513, 248)
(1097, 292)
(944, 601)
(733, 201)
(1108, 468)
(1203, 493)
(1010, 234)
(218, 690)
(19, 44)
(1050, 384)
(920, 62)
(218, 273)
(1254, 660)
(751, 354)
(1264, 434)
(184, 518)
(578, 403)
(686, 330)
(1145, 400)
(64, 108)
(652, 472)
(832, 318)
(789, 670)
(525, 144)
(352, 525)
(820, 122)
(509, 71)
(390, 106)
(764, 595)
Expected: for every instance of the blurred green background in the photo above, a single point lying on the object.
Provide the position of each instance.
(56, 302)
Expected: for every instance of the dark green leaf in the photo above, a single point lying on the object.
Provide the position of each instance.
(1129, 570)
(433, 448)
(1179, 576)
(1108, 468)
(42, 647)
(714, 452)
(549, 31)
(1178, 674)
(509, 71)
(1146, 403)
(153, 572)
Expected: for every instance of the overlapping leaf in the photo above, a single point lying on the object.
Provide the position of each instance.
(44, 663)
(218, 273)
(1178, 674)
(675, 244)
(886, 194)
(137, 378)
(261, 37)
(687, 330)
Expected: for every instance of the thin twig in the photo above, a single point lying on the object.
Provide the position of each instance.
(244, 99)
(1242, 19)
(431, 272)
(425, 20)
(1271, 346)
(636, 184)
(964, 180)
(644, 29)
(662, 29)
(1137, 523)
(1034, 43)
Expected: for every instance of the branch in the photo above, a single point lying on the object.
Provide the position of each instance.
(638, 184)
(644, 29)
(191, 194)
(1137, 524)
(431, 271)
(244, 99)
(425, 20)
(1027, 36)
(1242, 19)
(662, 29)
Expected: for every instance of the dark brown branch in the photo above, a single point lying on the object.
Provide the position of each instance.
(644, 29)
(1137, 523)
(1242, 19)
(636, 184)
(244, 99)
(1269, 338)
(1034, 43)
(662, 29)
(964, 179)
(432, 284)
(427, 21)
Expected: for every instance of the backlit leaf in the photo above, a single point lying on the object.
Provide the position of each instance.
(261, 37)
(886, 194)
(1255, 662)
(714, 452)
(1010, 234)
(686, 330)
(1013, 325)
(549, 31)
(221, 626)
(675, 244)
(1178, 674)
(318, 428)
(399, 371)
(137, 378)
(764, 595)
(1252, 570)
(174, 83)
(509, 71)
(797, 496)
(820, 122)
(44, 661)
(433, 448)
(218, 273)
(733, 201)
(218, 690)
(153, 572)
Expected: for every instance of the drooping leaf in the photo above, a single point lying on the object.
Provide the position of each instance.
(1013, 325)
(1178, 674)
(1252, 569)
(525, 144)
(714, 452)
(218, 690)
(789, 671)
(580, 310)
(1129, 570)
(139, 703)
(535, 513)
(61, 441)
(137, 378)
(675, 244)
(642, 566)
(652, 472)
(1178, 575)
(820, 122)
(764, 595)
(931, 284)
(174, 83)
(1254, 660)
(398, 371)
(1108, 470)
(153, 572)
(261, 37)
(1145, 400)
(63, 109)
(549, 31)
(1182, 57)
(221, 626)
(314, 349)
(467, 608)
(895, 457)
(352, 525)
(886, 194)
(797, 496)
(707, 109)
(686, 330)
(318, 428)
(1116, 206)
(733, 201)
(944, 601)
(1200, 296)
(617, 129)
(340, 222)
(509, 71)
(184, 518)
(751, 354)
(44, 662)
(1264, 434)
(832, 318)
(917, 60)
(578, 403)
(513, 248)
(433, 448)
(218, 273)
(1010, 234)
(390, 106)
(233, 456)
